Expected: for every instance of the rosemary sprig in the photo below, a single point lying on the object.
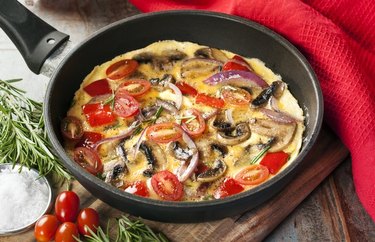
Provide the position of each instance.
(148, 122)
(127, 231)
(260, 154)
(23, 137)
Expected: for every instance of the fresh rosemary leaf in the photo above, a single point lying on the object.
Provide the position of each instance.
(23, 137)
(260, 154)
(127, 231)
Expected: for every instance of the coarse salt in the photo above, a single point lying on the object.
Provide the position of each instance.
(23, 198)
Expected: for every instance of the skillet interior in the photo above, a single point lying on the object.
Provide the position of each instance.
(205, 28)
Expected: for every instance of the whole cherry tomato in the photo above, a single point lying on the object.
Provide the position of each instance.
(66, 232)
(45, 228)
(67, 206)
(87, 218)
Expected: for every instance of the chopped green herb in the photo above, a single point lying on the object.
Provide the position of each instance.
(260, 154)
(23, 137)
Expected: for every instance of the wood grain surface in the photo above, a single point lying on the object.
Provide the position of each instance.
(331, 212)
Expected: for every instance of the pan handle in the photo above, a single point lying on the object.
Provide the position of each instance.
(34, 38)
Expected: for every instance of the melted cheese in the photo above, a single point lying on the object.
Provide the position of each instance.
(238, 156)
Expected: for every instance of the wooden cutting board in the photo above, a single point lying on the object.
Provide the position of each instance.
(253, 225)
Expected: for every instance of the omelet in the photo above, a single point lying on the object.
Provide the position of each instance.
(180, 121)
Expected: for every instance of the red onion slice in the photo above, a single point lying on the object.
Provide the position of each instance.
(229, 115)
(126, 134)
(183, 174)
(244, 78)
(138, 144)
(278, 116)
(178, 94)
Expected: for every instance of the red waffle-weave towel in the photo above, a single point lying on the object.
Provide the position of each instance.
(338, 39)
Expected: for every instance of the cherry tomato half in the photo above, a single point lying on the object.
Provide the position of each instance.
(45, 228)
(121, 69)
(87, 218)
(196, 126)
(134, 88)
(71, 128)
(186, 89)
(89, 139)
(164, 132)
(66, 232)
(138, 188)
(236, 96)
(229, 187)
(167, 186)
(125, 105)
(97, 88)
(252, 175)
(67, 206)
(88, 159)
(98, 114)
(209, 101)
(274, 161)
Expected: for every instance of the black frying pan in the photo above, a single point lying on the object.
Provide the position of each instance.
(34, 38)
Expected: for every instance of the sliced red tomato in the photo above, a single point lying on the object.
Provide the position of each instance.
(97, 88)
(71, 128)
(67, 232)
(89, 139)
(229, 187)
(274, 161)
(45, 228)
(138, 188)
(134, 88)
(164, 132)
(98, 114)
(186, 89)
(167, 186)
(236, 96)
(88, 218)
(88, 159)
(252, 175)
(67, 206)
(121, 69)
(125, 105)
(209, 101)
(194, 127)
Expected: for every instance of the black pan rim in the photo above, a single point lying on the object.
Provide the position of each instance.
(75, 168)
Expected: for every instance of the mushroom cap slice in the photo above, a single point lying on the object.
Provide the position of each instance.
(213, 173)
(197, 67)
(241, 133)
(283, 132)
(211, 53)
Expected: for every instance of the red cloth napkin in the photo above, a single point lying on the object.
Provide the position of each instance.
(338, 39)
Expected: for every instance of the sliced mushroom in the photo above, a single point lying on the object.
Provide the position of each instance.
(214, 173)
(223, 150)
(221, 123)
(279, 88)
(211, 53)
(116, 168)
(197, 67)
(173, 54)
(149, 111)
(282, 132)
(240, 134)
(154, 155)
(179, 152)
(276, 89)
(163, 82)
(144, 57)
